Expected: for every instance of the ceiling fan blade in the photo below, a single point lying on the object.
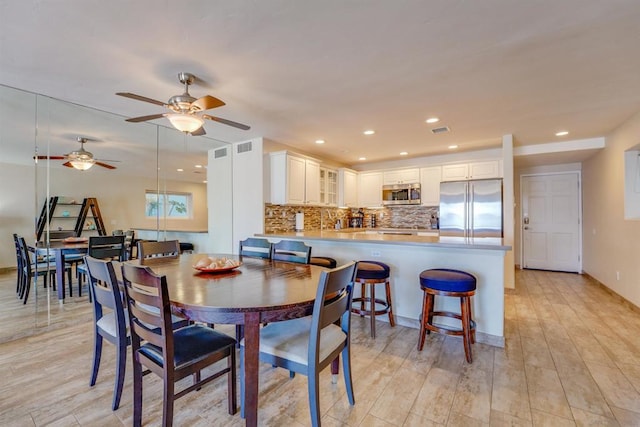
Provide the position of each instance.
(144, 118)
(52, 157)
(207, 102)
(199, 132)
(226, 122)
(105, 165)
(141, 98)
(67, 164)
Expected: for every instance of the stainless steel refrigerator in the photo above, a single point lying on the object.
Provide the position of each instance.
(471, 208)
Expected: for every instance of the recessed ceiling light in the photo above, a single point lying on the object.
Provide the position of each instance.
(198, 166)
(562, 133)
(180, 170)
(362, 158)
(319, 141)
(369, 132)
(432, 120)
(204, 182)
(453, 147)
(403, 153)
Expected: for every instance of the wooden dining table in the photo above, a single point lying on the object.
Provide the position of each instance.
(60, 249)
(257, 291)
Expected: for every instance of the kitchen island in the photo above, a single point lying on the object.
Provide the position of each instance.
(408, 255)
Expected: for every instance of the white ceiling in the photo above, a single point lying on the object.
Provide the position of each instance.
(297, 71)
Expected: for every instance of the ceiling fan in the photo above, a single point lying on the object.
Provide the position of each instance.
(80, 159)
(185, 110)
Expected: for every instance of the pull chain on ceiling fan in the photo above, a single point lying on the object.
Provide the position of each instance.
(185, 109)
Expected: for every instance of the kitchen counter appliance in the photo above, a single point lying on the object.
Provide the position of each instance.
(471, 208)
(401, 194)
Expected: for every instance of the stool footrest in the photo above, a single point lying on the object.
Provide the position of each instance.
(383, 303)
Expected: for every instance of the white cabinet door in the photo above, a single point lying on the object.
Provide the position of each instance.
(370, 189)
(482, 170)
(347, 188)
(312, 182)
(328, 187)
(455, 172)
(296, 180)
(430, 185)
(401, 176)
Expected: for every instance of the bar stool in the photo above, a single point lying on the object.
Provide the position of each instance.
(448, 283)
(323, 261)
(372, 273)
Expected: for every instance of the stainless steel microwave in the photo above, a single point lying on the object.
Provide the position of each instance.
(401, 194)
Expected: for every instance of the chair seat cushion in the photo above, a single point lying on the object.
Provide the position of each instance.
(290, 339)
(323, 261)
(443, 279)
(108, 323)
(191, 344)
(372, 270)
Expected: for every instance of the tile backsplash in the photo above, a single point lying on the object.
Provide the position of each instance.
(282, 218)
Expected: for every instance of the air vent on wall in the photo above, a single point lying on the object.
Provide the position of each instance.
(220, 153)
(244, 147)
(442, 129)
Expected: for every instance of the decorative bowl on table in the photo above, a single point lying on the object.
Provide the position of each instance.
(216, 265)
(76, 240)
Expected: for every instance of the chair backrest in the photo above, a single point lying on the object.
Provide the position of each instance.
(291, 251)
(129, 237)
(24, 257)
(107, 247)
(103, 285)
(332, 303)
(149, 310)
(117, 233)
(255, 248)
(18, 255)
(60, 235)
(166, 249)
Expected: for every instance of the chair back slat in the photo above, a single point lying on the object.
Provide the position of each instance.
(166, 249)
(291, 251)
(107, 247)
(255, 248)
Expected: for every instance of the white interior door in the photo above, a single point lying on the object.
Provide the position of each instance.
(551, 217)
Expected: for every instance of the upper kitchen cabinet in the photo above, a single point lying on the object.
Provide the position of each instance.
(328, 187)
(295, 180)
(370, 189)
(401, 176)
(430, 185)
(347, 188)
(475, 170)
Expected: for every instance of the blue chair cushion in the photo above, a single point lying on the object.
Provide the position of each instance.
(443, 279)
(190, 344)
(372, 270)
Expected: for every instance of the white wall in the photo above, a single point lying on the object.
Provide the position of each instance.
(121, 200)
(610, 243)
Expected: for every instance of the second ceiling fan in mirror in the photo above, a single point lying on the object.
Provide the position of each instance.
(186, 112)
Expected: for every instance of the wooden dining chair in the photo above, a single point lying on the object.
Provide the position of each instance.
(255, 248)
(166, 249)
(31, 269)
(101, 247)
(110, 324)
(309, 344)
(172, 355)
(129, 239)
(291, 251)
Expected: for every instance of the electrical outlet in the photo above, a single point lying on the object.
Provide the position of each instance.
(617, 275)
(375, 253)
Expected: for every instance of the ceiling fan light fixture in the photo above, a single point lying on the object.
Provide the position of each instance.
(185, 122)
(82, 163)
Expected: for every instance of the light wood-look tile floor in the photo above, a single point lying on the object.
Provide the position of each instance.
(572, 357)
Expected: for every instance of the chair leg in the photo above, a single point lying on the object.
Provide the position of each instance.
(335, 370)
(231, 382)
(26, 290)
(121, 367)
(97, 353)
(242, 404)
(473, 331)
(167, 404)
(423, 321)
(137, 393)
(387, 287)
(466, 329)
(346, 367)
(372, 308)
(314, 397)
(363, 295)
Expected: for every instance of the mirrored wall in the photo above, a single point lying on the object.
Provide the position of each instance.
(147, 177)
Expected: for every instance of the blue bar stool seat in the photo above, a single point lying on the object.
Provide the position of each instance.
(371, 273)
(449, 283)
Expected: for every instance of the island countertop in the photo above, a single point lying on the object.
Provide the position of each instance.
(385, 237)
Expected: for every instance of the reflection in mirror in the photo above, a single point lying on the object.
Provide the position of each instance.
(146, 158)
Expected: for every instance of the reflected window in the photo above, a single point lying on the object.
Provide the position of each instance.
(169, 205)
